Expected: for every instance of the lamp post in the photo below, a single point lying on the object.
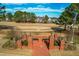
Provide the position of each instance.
(74, 21)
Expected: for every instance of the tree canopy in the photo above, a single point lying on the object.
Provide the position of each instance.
(45, 19)
(2, 11)
(69, 13)
(20, 16)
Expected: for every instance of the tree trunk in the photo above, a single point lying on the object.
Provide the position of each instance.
(65, 27)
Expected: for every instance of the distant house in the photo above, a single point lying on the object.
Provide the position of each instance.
(49, 20)
(39, 19)
(54, 20)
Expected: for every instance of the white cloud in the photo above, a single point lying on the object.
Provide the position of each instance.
(40, 6)
(18, 3)
(37, 9)
(9, 10)
(48, 9)
(18, 8)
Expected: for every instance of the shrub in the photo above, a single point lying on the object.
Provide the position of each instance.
(12, 38)
(56, 43)
(9, 44)
(24, 42)
(70, 47)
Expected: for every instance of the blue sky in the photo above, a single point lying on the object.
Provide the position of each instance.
(40, 9)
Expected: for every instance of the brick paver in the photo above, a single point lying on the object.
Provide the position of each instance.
(39, 50)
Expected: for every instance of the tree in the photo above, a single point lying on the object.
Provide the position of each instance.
(45, 20)
(25, 14)
(67, 16)
(32, 17)
(18, 16)
(2, 12)
(9, 16)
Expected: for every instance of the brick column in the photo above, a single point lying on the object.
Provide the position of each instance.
(51, 43)
(55, 36)
(18, 43)
(29, 42)
(62, 45)
(24, 37)
(40, 42)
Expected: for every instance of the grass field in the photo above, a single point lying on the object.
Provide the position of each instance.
(31, 27)
(28, 24)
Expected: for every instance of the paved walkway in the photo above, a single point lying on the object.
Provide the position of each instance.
(39, 50)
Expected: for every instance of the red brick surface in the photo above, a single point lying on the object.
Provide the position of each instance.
(30, 42)
(51, 43)
(39, 47)
(62, 45)
(39, 50)
(18, 43)
(56, 47)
